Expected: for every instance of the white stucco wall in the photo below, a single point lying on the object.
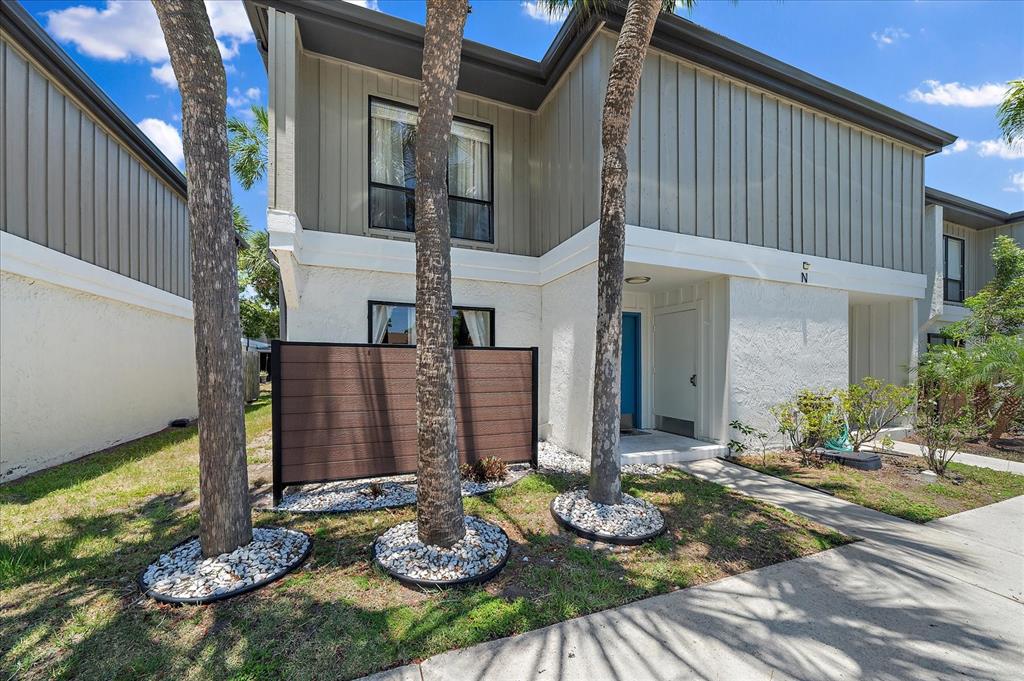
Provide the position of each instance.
(333, 305)
(567, 359)
(783, 337)
(80, 372)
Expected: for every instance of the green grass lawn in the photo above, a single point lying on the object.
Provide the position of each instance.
(897, 489)
(73, 539)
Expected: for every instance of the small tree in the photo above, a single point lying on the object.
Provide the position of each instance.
(751, 438)
(808, 421)
(999, 307)
(870, 406)
(945, 418)
(1000, 366)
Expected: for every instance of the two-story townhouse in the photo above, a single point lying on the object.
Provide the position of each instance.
(96, 343)
(969, 230)
(777, 234)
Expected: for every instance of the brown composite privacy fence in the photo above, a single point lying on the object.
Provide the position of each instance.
(346, 410)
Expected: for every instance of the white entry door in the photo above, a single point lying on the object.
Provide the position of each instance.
(675, 365)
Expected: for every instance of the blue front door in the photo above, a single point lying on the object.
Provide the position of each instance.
(630, 395)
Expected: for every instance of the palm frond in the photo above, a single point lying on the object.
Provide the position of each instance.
(247, 147)
(1011, 112)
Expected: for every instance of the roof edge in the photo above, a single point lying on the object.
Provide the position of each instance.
(534, 80)
(30, 36)
(970, 213)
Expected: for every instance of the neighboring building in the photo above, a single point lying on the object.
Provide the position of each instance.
(96, 342)
(777, 234)
(969, 230)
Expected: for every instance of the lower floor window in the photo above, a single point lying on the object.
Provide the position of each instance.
(939, 339)
(395, 324)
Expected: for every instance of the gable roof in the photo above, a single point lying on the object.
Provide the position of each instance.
(370, 38)
(26, 32)
(970, 213)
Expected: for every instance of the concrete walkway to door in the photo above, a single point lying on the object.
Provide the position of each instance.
(938, 601)
(656, 446)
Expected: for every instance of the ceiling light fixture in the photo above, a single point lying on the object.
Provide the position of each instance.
(637, 280)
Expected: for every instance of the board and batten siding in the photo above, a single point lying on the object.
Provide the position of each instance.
(978, 265)
(711, 157)
(332, 148)
(70, 185)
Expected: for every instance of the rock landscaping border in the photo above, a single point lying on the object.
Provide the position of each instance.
(593, 534)
(344, 496)
(411, 581)
(149, 590)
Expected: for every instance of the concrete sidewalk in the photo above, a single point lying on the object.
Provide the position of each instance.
(963, 457)
(937, 601)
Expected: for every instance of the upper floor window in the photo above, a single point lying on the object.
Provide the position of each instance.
(395, 324)
(953, 249)
(393, 173)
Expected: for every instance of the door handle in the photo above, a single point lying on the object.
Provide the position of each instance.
(693, 380)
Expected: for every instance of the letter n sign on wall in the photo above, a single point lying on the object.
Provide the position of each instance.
(803, 277)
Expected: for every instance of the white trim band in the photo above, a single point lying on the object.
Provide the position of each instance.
(33, 261)
(643, 245)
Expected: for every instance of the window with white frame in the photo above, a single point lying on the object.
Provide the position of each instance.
(395, 324)
(953, 249)
(393, 173)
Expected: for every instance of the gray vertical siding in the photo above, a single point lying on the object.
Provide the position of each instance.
(332, 144)
(978, 266)
(69, 185)
(712, 157)
(707, 156)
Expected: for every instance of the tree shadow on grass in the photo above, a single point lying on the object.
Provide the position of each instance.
(339, 617)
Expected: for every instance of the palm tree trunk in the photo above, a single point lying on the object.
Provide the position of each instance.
(1004, 417)
(439, 513)
(623, 80)
(225, 522)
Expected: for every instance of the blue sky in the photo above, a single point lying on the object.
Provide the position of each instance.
(941, 62)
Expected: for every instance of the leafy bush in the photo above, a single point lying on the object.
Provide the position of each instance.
(945, 418)
(808, 421)
(870, 406)
(487, 469)
(751, 439)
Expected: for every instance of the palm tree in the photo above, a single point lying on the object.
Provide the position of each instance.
(247, 146)
(623, 80)
(439, 514)
(999, 363)
(224, 518)
(1011, 112)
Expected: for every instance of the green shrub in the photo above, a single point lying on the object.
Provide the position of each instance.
(751, 439)
(808, 421)
(870, 406)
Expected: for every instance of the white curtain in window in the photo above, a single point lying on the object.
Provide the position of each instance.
(381, 317)
(392, 129)
(479, 326)
(469, 162)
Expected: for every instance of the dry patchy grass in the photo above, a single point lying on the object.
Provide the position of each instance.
(74, 538)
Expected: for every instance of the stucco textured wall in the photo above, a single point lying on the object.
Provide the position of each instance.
(567, 359)
(783, 337)
(79, 373)
(333, 305)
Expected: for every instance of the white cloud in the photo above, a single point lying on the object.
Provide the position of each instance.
(956, 147)
(1016, 182)
(166, 138)
(123, 30)
(955, 94)
(368, 4)
(1001, 149)
(237, 98)
(164, 75)
(536, 10)
(889, 36)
